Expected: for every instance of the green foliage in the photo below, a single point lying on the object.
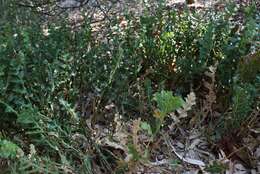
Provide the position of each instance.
(249, 67)
(235, 44)
(9, 150)
(167, 103)
(244, 95)
(146, 126)
(216, 167)
(45, 70)
(8, 113)
(133, 151)
(242, 102)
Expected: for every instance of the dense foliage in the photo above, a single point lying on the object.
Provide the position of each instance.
(55, 82)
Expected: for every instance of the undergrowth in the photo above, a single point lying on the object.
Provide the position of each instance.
(55, 83)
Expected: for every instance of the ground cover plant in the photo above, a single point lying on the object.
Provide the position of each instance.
(173, 90)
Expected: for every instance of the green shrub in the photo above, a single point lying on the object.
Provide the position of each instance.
(44, 74)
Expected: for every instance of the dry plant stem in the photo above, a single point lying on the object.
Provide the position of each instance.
(234, 152)
(254, 116)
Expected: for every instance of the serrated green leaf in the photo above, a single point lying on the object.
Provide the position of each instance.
(166, 102)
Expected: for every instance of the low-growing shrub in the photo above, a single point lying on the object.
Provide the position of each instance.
(47, 72)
